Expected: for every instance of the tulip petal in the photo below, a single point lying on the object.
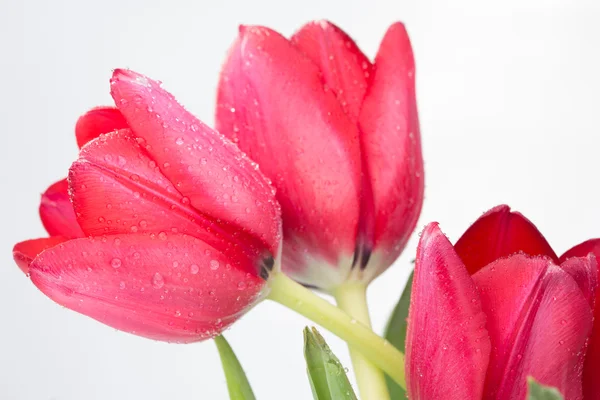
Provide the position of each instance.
(208, 169)
(346, 70)
(500, 233)
(273, 103)
(168, 287)
(97, 121)
(584, 271)
(391, 145)
(538, 321)
(25, 252)
(447, 348)
(56, 211)
(118, 188)
(591, 383)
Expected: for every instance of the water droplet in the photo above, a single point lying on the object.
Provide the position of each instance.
(194, 269)
(214, 265)
(115, 262)
(179, 141)
(122, 285)
(241, 285)
(185, 200)
(158, 281)
(162, 236)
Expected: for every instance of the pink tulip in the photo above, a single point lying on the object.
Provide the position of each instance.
(497, 307)
(164, 228)
(339, 137)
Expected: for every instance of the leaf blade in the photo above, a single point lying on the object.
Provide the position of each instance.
(395, 333)
(326, 374)
(237, 383)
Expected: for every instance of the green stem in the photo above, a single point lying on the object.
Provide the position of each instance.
(378, 350)
(351, 297)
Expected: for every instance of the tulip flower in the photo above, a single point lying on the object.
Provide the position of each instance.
(166, 230)
(339, 137)
(500, 306)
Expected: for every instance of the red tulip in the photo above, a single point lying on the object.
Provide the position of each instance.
(164, 228)
(339, 137)
(498, 307)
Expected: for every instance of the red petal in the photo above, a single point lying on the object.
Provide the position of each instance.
(447, 345)
(272, 99)
(97, 121)
(171, 287)
(25, 252)
(208, 169)
(591, 383)
(345, 68)
(391, 145)
(539, 322)
(118, 188)
(56, 211)
(499, 233)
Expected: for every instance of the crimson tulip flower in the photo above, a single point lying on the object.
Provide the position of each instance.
(500, 306)
(164, 228)
(339, 137)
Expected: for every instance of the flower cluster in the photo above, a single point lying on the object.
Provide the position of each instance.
(312, 179)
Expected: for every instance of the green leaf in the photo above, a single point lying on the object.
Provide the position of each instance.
(395, 333)
(327, 377)
(237, 383)
(541, 392)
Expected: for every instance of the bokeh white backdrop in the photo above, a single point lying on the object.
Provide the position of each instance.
(508, 94)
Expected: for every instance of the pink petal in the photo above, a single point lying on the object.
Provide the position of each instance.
(447, 345)
(539, 322)
(208, 169)
(273, 101)
(591, 383)
(172, 287)
(118, 188)
(56, 211)
(391, 145)
(25, 252)
(97, 121)
(584, 270)
(346, 70)
(499, 233)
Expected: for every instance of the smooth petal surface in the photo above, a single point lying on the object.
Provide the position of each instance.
(214, 175)
(273, 102)
(391, 145)
(169, 287)
(118, 188)
(538, 320)
(97, 121)
(498, 233)
(447, 348)
(25, 252)
(346, 70)
(591, 367)
(56, 211)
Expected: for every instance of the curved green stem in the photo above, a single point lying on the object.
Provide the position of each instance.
(378, 350)
(351, 297)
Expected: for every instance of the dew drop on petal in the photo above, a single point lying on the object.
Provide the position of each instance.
(194, 269)
(115, 263)
(158, 281)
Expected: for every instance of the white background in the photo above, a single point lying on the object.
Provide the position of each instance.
(508, 94)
